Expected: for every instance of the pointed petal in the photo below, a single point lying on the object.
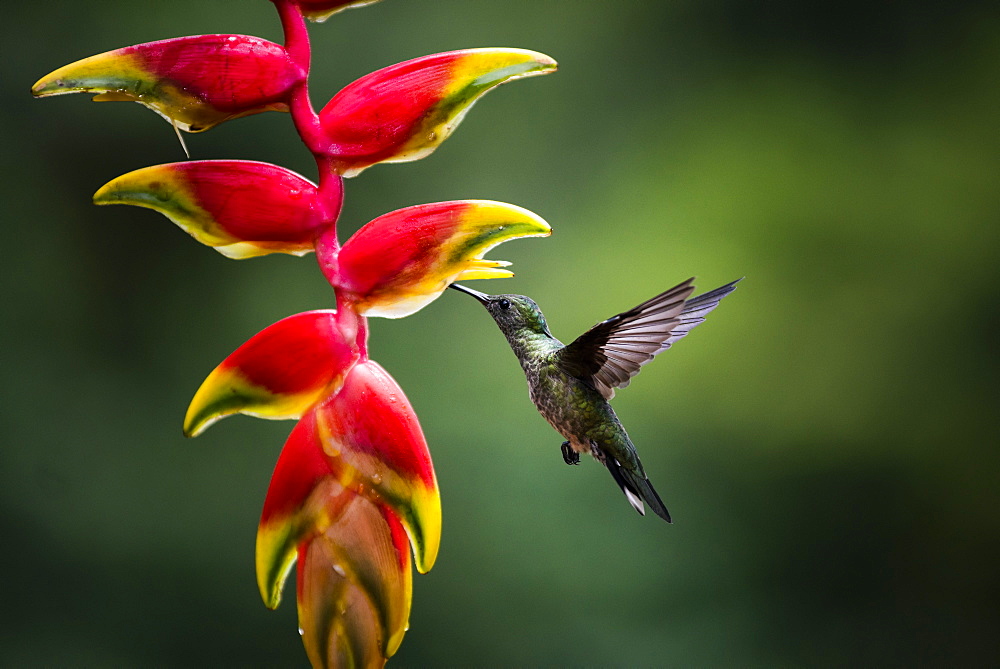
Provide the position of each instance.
(321, 10)
(376, 555)
(400, 262)
(280, 372)
(195, 82)
(302, 500)
(339, 625)
(375, 446)
(403, 112)
(485, 269)
(241, 208)
(355, 588)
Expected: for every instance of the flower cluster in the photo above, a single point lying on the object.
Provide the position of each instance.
(354, 489)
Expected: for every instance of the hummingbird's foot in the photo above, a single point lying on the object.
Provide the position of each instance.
(569, 455)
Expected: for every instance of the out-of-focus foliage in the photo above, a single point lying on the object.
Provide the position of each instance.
(826, 442)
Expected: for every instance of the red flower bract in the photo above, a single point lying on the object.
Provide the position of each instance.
(401, 261)
(195, 82)
(281, 371)
(240, 207)
(404, 112)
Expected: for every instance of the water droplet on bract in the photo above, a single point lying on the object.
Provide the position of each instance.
(302, 632)
(331, 448)
(376, 479)
(340, 570)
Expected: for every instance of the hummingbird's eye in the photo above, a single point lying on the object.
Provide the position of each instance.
(504, 304)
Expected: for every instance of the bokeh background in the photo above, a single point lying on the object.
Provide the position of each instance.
(827, 442)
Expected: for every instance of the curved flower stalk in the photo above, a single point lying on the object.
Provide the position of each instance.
(353, 499)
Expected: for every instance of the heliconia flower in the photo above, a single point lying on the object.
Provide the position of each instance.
(194, 82)
(403, 112)
(321, 10)
(281, 371)
(354, 579)
(240, 207)
(403, 260)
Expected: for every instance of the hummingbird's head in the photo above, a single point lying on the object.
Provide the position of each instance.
(515, 314)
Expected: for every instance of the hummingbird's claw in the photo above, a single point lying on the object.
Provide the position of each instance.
(570, 456)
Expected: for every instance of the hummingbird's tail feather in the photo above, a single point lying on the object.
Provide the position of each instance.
(637, 489)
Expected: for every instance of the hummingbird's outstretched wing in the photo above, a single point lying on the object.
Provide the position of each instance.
(609, 354)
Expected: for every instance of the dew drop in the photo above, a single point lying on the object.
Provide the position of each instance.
(331, 448)
(302, 632)
(376, 479)
(340, 570)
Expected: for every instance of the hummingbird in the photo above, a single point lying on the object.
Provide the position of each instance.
(571, 384)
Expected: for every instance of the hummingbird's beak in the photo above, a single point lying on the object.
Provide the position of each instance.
(482, 297)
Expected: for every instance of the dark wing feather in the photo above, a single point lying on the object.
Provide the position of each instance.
(694, 312)
(609, 354)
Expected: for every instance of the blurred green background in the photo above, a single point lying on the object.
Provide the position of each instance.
(827, 442)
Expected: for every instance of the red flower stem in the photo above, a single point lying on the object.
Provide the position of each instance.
(351, 323)
(308, 126)
(362, 337)
(331, 191)
(297, 46)
(296, 34)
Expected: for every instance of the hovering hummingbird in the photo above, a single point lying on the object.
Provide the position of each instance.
(571, 384)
